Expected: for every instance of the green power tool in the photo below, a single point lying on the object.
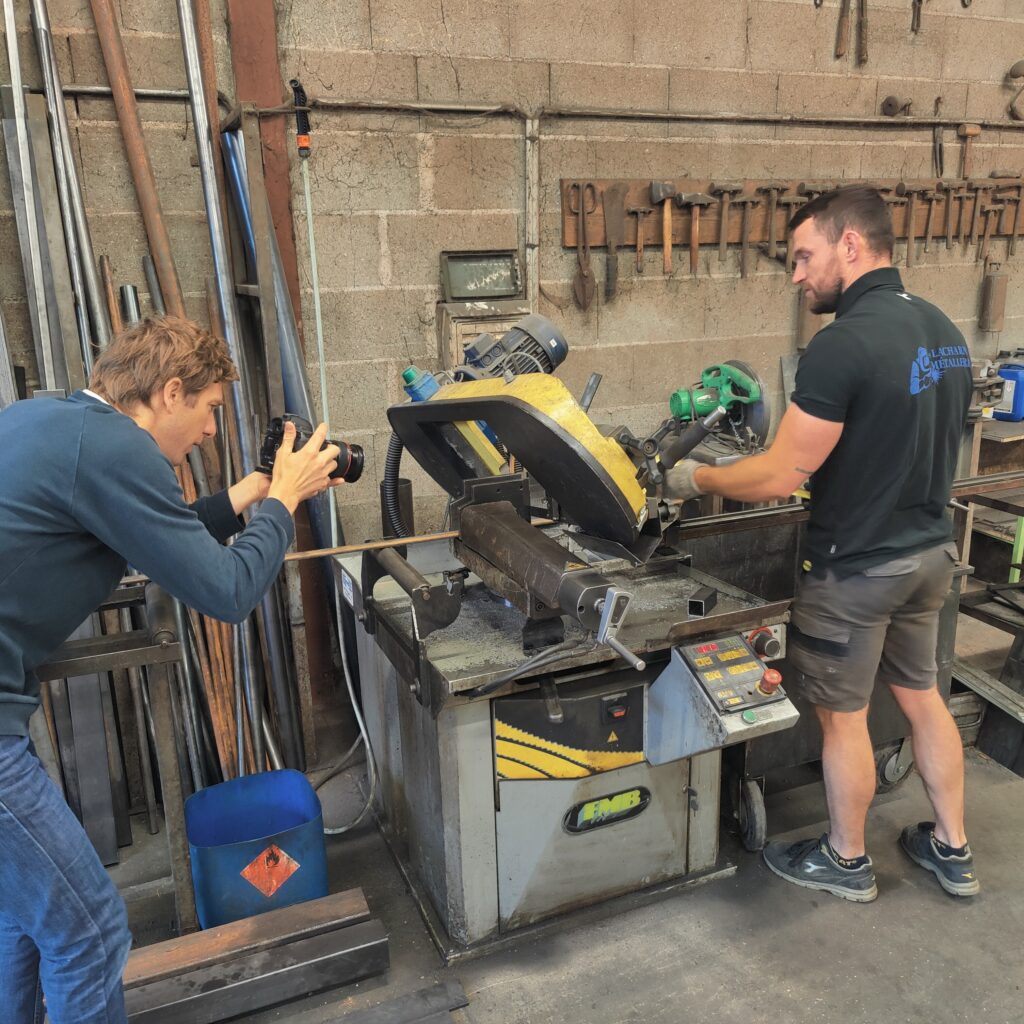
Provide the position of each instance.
(729, 401)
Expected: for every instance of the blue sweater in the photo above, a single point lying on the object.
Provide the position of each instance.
(83, 492)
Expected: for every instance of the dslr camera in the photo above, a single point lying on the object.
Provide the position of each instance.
(350, 458)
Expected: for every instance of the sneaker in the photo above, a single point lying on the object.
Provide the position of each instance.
(955, 874)
(810, 864)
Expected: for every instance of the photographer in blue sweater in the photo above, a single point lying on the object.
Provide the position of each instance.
(87, 486)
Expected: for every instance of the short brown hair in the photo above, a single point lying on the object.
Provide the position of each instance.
(148, 354)
(857, 206)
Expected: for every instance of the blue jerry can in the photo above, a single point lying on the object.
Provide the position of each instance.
(257, 844)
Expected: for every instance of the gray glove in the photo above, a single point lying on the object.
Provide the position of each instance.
(679, 482)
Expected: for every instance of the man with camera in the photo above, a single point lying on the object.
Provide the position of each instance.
(89, 487)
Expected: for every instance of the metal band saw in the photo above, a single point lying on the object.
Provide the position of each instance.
(547, 697)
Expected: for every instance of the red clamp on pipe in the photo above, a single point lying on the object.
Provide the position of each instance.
(770, 681)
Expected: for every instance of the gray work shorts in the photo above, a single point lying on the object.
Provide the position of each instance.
(879, 624)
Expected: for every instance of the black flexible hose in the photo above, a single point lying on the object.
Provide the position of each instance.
(391, 466)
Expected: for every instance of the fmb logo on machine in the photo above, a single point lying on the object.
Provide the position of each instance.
(606, 810)
(931, 364)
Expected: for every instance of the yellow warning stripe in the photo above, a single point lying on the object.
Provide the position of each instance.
(514, 769)
(556, 759)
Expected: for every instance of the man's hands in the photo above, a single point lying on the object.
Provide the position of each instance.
(248, 491)
(680, 483)
(305, 473)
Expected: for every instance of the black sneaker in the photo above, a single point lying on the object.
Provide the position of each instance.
(955, 873)
(810, 864)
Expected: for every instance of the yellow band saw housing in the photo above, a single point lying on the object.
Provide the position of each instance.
(538, 421)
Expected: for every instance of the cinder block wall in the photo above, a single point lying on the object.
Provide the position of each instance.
(391, 191)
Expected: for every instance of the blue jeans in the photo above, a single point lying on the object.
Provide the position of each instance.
(62, 921)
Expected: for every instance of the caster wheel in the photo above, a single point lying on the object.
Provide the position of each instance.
(888, 772)
(752, 815)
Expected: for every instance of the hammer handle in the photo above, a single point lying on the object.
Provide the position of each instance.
(694, 239)
(843, 32)
(666, 236)
(862, 31)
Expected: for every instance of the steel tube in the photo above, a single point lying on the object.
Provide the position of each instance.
(65, 152)
(221, 262)
(130, 304)
(138, 156)
(37, 297)
(156, 296)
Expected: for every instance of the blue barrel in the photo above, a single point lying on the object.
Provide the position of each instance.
(257, 844)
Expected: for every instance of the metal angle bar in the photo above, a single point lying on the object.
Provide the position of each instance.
(62, 146)
(249, 983)
(36, 297)
(8, 385)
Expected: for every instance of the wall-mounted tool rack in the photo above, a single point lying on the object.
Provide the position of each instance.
(959, 212)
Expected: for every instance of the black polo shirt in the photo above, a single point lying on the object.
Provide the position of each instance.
(896, 372)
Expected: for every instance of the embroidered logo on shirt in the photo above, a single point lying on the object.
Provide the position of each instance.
(930, 365)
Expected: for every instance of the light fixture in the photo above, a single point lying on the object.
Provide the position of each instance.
(1017, 71)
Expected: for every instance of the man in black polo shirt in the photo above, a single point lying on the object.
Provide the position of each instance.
(876, 419)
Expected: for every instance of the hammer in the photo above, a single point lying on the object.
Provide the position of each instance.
(931, 198)
(981, 190)
(912, 189)
(640, 212)
(695, 201)
(790, 204)
(967, 132)
(992, 214)
(746, 202)
(725, 190)
(662, 193)
(774, 189)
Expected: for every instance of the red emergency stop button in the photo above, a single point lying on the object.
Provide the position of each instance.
(617, 711)
(770, 681)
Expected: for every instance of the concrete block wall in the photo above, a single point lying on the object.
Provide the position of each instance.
(391, 191)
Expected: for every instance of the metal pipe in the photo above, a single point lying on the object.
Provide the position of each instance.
(156, 296)
(599, 114)
(130, 304)
(113, 308)
(252, 682)
(531, 131)
(221, 262)
(37, 298)
(147, 95)
(63, 148)
(138, 156)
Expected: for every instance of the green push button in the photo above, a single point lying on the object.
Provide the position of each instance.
(750, 717)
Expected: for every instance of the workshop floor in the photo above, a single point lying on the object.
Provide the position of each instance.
(745, 948)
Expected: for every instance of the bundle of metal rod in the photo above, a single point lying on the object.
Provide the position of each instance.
(94, 328)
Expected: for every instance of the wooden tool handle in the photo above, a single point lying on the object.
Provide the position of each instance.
(862, 31)
(843, 32)
(694, 239)
(666, 236)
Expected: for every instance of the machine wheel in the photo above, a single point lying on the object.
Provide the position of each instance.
(888, 773)
(752, 815)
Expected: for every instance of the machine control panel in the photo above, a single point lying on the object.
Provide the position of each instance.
(732, 675)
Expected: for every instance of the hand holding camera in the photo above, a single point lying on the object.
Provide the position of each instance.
(301, 465)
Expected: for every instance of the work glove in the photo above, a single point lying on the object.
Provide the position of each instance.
(679, 482)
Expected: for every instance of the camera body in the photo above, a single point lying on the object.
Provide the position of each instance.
(350, 458)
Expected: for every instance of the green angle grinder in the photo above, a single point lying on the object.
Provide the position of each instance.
(728, 407)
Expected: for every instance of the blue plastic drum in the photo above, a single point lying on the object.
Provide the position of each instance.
(257, 844)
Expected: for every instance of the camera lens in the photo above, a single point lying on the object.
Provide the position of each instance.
(350, 462)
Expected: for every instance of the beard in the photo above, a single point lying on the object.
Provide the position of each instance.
(827, 299)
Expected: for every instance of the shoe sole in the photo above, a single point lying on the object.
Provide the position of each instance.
(867, 896)
(953, 888)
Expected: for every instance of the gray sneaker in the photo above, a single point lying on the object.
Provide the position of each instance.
(955, 874)
(810, 864)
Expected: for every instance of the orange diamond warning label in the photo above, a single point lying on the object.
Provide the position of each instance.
(270, 870)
